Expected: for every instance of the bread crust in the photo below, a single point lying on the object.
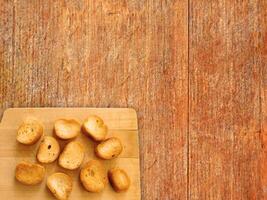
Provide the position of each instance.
(60, 185)
(95, 128)
(72, 156)
(49, 150)
(29, 173)
(29, 132)
(67, 128)
(109, 148)
(119, 179)
(93, 176)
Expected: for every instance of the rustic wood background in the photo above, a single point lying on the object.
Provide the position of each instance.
(195, 71)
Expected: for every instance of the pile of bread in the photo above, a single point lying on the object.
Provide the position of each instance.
(92, 175)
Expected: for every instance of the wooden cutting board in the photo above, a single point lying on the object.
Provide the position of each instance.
(122, 123)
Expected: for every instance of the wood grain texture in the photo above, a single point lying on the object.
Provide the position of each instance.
(106, 53)
(225, 65)
(122, 123)
(263, 56)
(134, 53)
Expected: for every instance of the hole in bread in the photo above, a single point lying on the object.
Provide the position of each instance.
(49, 146)
(112, 155)
(91, 173)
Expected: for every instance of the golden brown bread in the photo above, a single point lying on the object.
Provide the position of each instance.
(93, 176)
(29, 132)
(60, 185)
(67, 128)
(119, 179)
(94, 127)
(29, 173)
(49, 150)
(109, 148)
(72, 156)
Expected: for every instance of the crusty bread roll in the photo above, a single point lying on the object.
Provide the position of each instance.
(29, 173)
(93, 176)
(60, 185)
(67, 128)
(49, 150)
(72, 156)
(29, 132)
(119, 179)
(109, 148)
(94, 127)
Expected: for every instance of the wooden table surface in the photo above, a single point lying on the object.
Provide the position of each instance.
(194, 70)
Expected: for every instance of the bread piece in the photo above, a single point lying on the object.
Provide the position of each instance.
(94, 127)
(29, 132)
(29, 173)
(109, 149)
(49, 150)
(72, 156)
(60, 185)
(93, 176)
(119, 179)
(67, 128)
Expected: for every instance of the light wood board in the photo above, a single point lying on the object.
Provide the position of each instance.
(122, 122)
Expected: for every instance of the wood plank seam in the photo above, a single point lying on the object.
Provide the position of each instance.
(188, 100)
